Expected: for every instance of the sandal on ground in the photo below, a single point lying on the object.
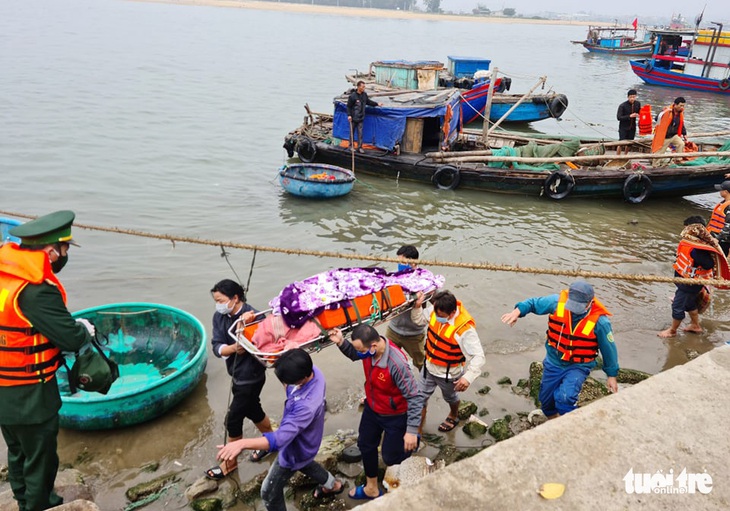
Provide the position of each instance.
(216, 473)
(320, 492)
(258, 455)
(448, 424)
(361, 495)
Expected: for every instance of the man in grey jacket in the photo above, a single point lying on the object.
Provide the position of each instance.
(356, 104)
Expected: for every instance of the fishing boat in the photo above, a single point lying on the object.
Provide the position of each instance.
(316, 180)
(418, 137)
(617, 40)
(470, 76)
(161, 353)
(5, 225)
(688, 59)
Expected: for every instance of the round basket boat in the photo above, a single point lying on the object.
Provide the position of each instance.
(161, 353)
(316, 180)
(5, 225)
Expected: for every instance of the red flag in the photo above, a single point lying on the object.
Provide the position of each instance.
(635, 23)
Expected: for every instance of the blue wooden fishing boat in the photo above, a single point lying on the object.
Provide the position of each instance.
(688, 59)
(161, 352)
(5, 225)
(316, 180)
(617, 41)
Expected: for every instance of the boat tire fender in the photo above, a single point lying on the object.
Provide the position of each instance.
(446, 177)
(306, 149)
(558, 105)
(648, 67)
(640, 183)
(724, 84)
(554, 180)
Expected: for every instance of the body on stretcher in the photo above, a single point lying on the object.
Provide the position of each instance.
(373, 309)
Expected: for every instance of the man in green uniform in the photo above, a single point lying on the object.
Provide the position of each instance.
(35, 326)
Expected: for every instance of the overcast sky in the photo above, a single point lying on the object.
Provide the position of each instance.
(716, 10)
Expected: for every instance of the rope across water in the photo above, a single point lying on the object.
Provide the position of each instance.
(371, 258)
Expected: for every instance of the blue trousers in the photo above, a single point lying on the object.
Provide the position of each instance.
(373, 427)
(560, 387)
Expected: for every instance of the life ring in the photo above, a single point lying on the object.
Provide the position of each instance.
(551, 187)
(306, 149)
(648, 67)
(637, 187)
(558, 105)
(724, 84)
(446, 177)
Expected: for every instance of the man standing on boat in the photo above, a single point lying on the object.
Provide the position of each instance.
(35, 326)
(627, 114)
(356, 104)
(578, 328)
(719, 225)
(454, 353)
(670, 130)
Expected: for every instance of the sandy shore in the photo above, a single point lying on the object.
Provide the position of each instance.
(356, 11)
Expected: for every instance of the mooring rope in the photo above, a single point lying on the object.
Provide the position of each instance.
(384, 259)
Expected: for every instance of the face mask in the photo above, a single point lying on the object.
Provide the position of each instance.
(223, 308)
(365, 355)
(58, 265)
(403, 267)
(442, 320)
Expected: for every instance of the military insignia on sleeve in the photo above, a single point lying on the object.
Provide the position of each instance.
(610, 337)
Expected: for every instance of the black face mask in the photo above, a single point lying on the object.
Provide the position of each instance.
(58, 265)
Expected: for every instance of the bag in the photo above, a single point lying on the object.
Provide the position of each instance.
(92, 371)
(704, 298)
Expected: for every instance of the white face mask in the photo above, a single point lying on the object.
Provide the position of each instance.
(223, 308)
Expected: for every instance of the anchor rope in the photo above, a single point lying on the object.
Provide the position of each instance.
(485, 266)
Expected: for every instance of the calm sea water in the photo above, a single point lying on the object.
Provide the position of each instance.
(170, 119)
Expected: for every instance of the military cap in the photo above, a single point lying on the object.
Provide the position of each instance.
(46, 230)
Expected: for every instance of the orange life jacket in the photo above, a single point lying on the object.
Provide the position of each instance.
(26, 356)
(645, 121)
(383, 396)
(684, 265)
(660, 132)
(717, 220)
(442, 349)
(579, 344)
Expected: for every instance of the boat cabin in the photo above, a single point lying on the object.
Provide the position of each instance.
(407, 74)
(407, 121)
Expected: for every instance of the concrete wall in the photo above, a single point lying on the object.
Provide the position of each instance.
(675, 420)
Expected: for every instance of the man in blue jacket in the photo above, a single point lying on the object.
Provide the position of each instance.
(578, 328)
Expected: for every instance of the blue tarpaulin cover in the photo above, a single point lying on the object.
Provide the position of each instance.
(384, 126)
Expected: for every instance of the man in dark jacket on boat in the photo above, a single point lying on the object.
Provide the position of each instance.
(628, 112)
(356, 104)
(35, 326)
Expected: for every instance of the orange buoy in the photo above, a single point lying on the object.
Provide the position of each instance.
(645, 120)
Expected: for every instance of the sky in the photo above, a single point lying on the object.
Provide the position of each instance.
(715, 11)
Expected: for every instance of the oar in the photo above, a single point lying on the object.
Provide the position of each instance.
(352, 148)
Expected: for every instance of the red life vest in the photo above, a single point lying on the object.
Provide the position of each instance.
(442, 349)
(382, 395)
(717, 220)
(579, 344)
(684, 265)
(26, 356)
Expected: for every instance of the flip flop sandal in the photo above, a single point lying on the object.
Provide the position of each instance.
(361, 495)
(258, 455)
(216, 473)
(448, 424)
(320, 492)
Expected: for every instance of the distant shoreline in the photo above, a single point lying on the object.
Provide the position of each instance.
(361, 12)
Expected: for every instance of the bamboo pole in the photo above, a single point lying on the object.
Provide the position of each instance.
(488, 106)
(487, 152)
(541, 81)
(577, 159)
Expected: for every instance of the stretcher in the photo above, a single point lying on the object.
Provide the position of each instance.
(373, 309)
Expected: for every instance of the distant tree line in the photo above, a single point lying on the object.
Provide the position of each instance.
(405, 5)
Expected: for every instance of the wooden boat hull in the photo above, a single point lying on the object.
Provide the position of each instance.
(5, 225)
(592, 181)
(298, 180)
(536, 108)
(638, 50)
(161, 352)
(657, 76)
